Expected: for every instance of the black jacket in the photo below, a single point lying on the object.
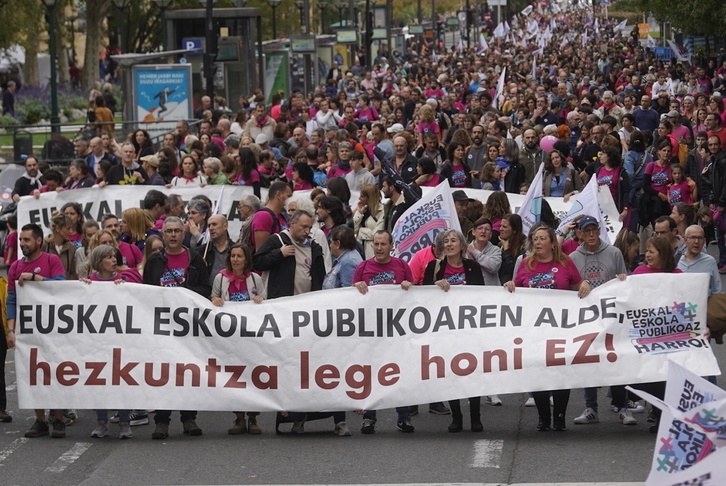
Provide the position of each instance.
(472, 271)
(281, 280)
(197, 278)
(515, 177)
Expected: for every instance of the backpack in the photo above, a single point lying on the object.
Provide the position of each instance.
(245, 234)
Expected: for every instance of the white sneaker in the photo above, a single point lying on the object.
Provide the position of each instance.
(101, 430)
(530, 402)
(626, 417)
(589, 416)
(494, 400)
(342, 430)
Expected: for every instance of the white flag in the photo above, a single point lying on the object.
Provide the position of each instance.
(597, 26)
(650, 42)
(483, 43)
(506, 27)
(460, 46)
(438, 208)
(527, 10)
(531, 209)
(500, 88)
(587, 205)
(564, 42)
(621, 26)
(499, 31)
(584, 39)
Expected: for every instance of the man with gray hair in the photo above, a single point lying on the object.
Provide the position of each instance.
(231, 143)
(176, 266)
(128, 171)
(695, 260)
(294, 264)
(98, 154)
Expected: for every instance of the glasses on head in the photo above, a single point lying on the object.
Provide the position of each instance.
(173, 231)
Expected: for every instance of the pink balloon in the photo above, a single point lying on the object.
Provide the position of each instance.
(548, 143)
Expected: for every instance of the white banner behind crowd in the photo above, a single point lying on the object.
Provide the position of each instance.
(110, 346)
(98, 201)
(115, 199)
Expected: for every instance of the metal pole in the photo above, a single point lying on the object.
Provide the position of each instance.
(121, 30)
(163, 29)
(260, 55)
(210, 49)
(420, 13)
(54, 119)
(274, 22)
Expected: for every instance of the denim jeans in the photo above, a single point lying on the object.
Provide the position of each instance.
(404, 414)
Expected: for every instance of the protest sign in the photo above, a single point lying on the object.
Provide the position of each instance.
(129, 346)
(692, 425)
(418, 226)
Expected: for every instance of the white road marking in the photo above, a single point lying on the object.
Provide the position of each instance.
(68, 457)
(487, 453)
(5, 453)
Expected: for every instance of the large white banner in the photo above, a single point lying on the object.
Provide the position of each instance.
(127, 346)
(97, 201)
(417, 228)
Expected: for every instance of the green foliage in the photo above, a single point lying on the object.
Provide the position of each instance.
(707, 17)
(8, 121)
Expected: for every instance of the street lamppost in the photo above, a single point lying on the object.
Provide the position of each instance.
(300, 4)
(210, 49)
(121, 5)
(163, 5)
(341, 5)
(274, 4)
(323, 5)
(54, 119)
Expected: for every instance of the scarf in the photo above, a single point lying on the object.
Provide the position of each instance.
(261, 122)
(234, 278)
(343, 165)
(35, 181)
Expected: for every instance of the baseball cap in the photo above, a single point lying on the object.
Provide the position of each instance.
(673, 114)
(262, 139)
(587, 221)
(395, 128)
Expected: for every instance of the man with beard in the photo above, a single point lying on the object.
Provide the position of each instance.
(35, 266)
(531, 154)
(476, 156)
(403, 162)
(28, 182)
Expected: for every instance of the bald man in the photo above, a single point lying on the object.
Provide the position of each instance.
(214, 251)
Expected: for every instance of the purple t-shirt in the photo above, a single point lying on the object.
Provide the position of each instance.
(454, 275)
(548, 275)
(373, 273)
(263, 221)
(131, 254)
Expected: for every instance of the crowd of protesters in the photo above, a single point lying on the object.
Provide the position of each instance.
(577, 94)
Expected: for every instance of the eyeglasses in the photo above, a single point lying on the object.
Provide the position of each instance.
(485, 229)
(173, 231)
(591, 231)
(695, 238)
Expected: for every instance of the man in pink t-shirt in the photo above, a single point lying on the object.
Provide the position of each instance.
(383, 269)
(35, 266)
(269, 220)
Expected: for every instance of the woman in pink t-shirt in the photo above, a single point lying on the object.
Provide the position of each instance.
(456, 269)
(547, 267)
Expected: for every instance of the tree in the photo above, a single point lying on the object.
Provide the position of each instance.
(706, 17)
(96, 13)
